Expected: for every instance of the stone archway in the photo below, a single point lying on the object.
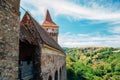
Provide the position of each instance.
(56, 75)
(60, 74)
(26, 52)
(50, 78)
(27, 61)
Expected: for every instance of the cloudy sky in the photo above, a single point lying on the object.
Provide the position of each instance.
(81, 22)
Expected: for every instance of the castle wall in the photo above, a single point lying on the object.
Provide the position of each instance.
(9, 42)
(52, 63)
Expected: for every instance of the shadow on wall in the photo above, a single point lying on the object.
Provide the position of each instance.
(27, 61)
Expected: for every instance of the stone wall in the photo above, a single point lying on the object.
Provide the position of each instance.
(53, 64)
(9, 42)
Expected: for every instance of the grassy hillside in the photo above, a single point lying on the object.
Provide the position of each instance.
(93, 63)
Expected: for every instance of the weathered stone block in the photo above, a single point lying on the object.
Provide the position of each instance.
(9, 26)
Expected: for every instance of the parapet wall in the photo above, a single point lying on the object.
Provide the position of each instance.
(53, 65)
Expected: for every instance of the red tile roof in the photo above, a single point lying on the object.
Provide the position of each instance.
(48, 21)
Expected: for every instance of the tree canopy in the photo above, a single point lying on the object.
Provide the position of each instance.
(93, 63)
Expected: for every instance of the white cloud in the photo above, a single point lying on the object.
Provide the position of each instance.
(64, 7)
(84, 40)
(115, 29)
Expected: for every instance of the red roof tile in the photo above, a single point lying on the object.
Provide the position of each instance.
(48, 21)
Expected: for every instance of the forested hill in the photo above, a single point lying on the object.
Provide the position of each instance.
(93, 63)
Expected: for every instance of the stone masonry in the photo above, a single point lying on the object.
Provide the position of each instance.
(9, 41)
(53, 64)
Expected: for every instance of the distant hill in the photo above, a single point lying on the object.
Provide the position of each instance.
(93, 63)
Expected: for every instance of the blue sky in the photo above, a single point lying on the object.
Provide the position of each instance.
(81, 23)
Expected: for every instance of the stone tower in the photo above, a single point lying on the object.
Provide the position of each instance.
(9, 41)
(50, 26)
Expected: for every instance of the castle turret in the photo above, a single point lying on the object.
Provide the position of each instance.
(50, 26)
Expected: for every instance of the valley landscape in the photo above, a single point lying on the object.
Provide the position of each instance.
(93, 63)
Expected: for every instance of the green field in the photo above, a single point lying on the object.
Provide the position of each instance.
(93, 63)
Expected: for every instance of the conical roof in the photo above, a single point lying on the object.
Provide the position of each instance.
(48, 21)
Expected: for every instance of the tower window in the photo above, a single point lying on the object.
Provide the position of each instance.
(50, 33)
(52, 29)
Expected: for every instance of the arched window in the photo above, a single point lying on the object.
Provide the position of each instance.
(50, 34)
(50, 78)
(56, 75)
(60, 74)
(52, 29)
(54, 34)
